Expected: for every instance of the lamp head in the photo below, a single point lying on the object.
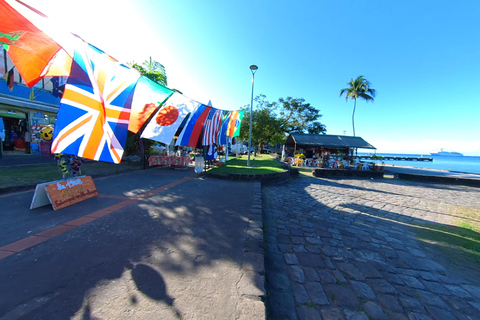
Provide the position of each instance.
(253, 68)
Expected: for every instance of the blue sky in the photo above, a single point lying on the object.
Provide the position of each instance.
(422, 57)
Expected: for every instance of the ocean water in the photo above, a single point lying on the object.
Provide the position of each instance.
(466, 164)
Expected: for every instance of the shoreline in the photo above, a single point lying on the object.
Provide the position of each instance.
(394, 168)
(429, 169)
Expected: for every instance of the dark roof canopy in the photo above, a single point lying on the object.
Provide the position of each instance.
(327, 140)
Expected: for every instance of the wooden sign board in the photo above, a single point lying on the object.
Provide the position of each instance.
(40, 197)
(65, 193)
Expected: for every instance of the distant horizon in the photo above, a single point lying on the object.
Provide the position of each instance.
(467, 154)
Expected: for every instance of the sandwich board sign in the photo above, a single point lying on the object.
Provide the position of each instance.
(63, 193)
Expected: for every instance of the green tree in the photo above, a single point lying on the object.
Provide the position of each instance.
(154, 71)
(358, 88)
(272, 121)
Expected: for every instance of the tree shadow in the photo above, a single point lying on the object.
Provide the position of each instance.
(189, 230)
(150, 282)
(345, 226)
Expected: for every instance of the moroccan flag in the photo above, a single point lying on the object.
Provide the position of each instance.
(222, 133)
(95, 108)
(164, 124)
(10, 79)
(33, 52)
(191, 133)
(211, 127)
(147, 98)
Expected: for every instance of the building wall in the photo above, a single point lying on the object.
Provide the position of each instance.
(22, 109)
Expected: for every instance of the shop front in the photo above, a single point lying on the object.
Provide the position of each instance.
(22, 126)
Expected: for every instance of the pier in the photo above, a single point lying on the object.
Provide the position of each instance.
(395, 158)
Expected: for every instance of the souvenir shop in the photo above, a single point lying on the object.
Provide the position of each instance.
(20, 128)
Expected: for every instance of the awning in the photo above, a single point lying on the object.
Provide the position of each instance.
(12, 114)
(327, 141)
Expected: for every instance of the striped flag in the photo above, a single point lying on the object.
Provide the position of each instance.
(192, 130)
(238, 123)
(234, 123)
(95, 108)
(211, 127)
(222, 133)
(164, 124)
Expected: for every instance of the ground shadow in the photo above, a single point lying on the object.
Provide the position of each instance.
(342, 231)
(187, 229)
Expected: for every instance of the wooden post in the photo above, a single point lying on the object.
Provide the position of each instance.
(142, 152)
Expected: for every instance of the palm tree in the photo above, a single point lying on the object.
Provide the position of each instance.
(358, 88)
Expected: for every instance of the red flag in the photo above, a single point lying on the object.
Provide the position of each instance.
(31, 50)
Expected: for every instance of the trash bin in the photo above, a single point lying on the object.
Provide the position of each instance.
(199, 163)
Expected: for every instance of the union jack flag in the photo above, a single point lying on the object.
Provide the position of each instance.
(211, 127)
(93, 118)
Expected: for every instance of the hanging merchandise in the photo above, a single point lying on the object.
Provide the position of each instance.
(69, 165)
(46, 133)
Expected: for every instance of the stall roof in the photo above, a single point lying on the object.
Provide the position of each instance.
(327, 140)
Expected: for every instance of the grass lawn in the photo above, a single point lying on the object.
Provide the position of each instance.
(261, 164)
(461, 242)
(31, 175)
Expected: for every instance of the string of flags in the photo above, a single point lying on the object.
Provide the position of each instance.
(103, 98)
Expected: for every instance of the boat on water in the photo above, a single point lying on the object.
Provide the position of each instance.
(446, 153)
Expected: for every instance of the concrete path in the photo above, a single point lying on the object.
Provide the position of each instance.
(337, 249)
(155, 244)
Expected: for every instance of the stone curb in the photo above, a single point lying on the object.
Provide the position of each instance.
(440, 179)
(251, 287)
(270, 178)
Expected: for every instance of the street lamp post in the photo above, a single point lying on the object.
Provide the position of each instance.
(253, 68)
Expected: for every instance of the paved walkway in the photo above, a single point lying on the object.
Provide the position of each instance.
(336, 249)
(155, 244)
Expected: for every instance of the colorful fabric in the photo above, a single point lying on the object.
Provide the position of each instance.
(34, 53)
(95, 109)
(222, 133)
(234, 123)
(164, 124)
(147, 98)
(238, 123)
(192, 130)
(211, 127)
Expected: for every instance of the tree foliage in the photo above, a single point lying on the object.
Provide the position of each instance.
(273, 121)
(358, 88)
(154, 71)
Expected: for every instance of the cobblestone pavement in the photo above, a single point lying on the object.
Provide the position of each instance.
(337, 249)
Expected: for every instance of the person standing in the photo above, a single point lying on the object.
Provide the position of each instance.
(28, 139)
